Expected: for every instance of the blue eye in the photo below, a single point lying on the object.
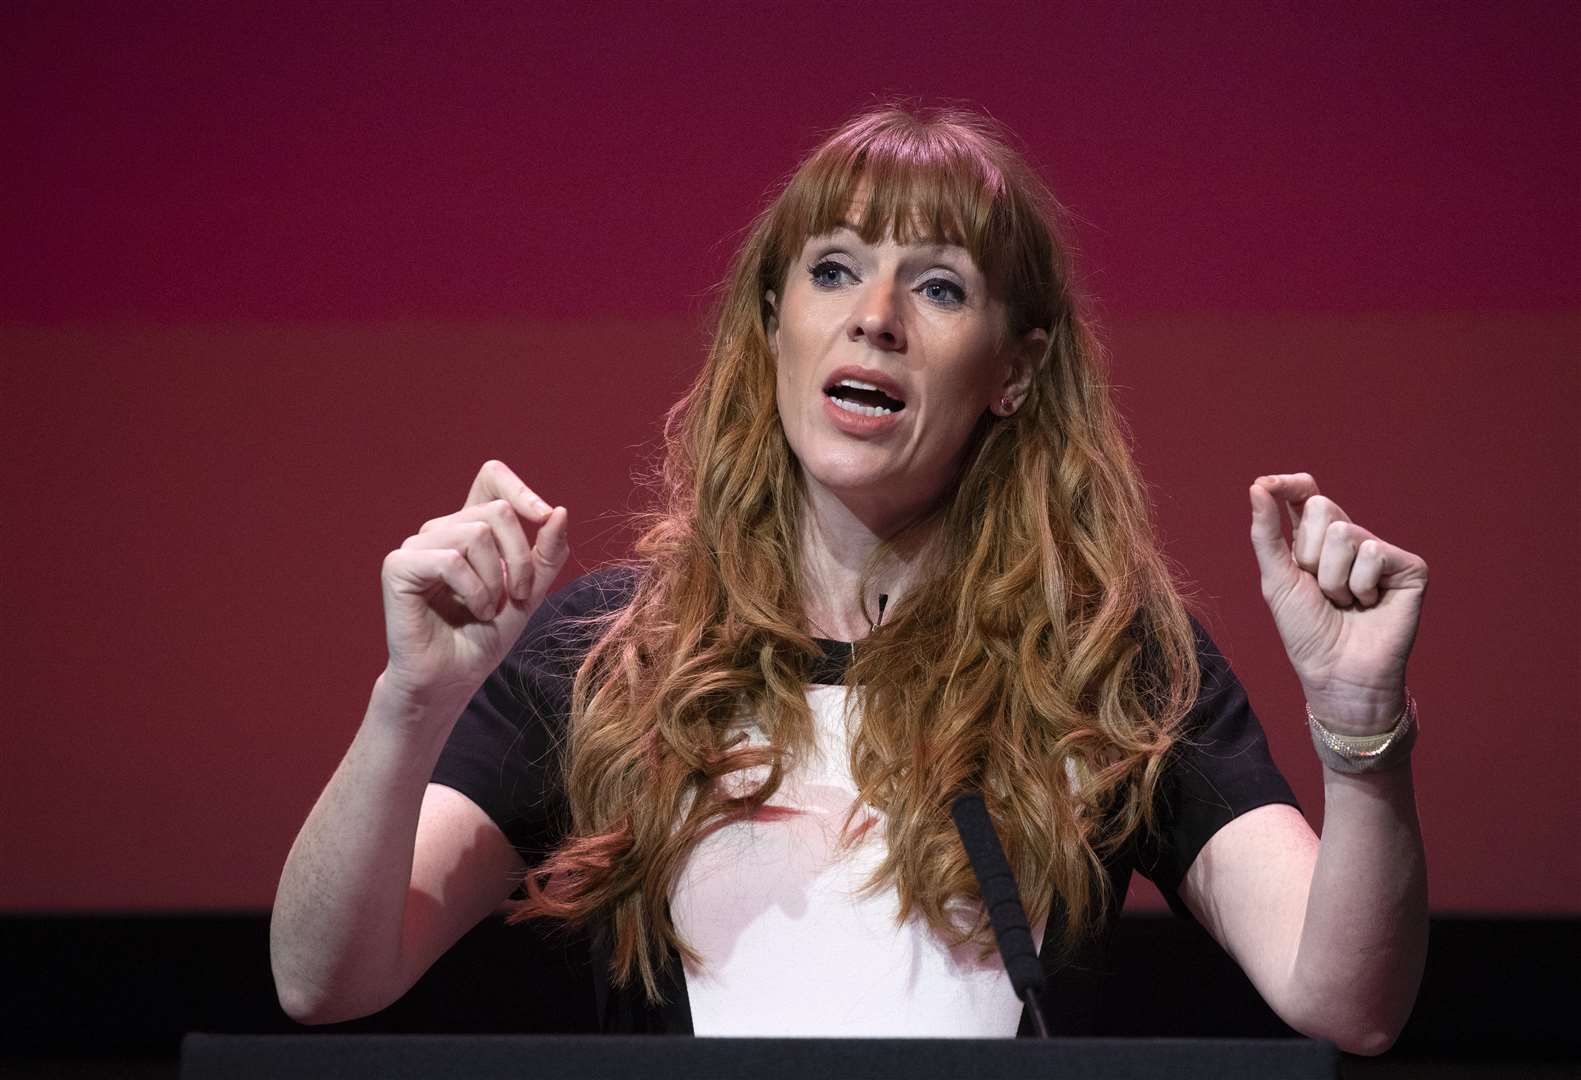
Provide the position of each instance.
(943, 291)
(826, 274)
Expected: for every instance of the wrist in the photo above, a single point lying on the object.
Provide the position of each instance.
(1373, 752)
(396, 704)
(1356, 713)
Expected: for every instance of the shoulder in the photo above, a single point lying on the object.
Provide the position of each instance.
(1221, 711)
(541, 667)
(502, 753)
(1219, 768)
(595, 594)
(1219, 708)
(572, 618)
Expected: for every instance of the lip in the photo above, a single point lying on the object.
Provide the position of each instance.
(867, 375)
(857, 424)
(864, 427)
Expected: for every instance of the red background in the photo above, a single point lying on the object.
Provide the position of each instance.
(279, 278)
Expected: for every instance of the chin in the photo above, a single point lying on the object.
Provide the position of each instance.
(865, 477)
(844, 476)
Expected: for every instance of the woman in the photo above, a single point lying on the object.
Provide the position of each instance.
(903, 555)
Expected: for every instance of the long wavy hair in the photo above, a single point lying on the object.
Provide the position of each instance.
(1046, 659)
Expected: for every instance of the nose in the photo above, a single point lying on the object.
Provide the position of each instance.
(876, 318)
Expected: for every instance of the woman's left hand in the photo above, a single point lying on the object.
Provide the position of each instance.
(1346, 603)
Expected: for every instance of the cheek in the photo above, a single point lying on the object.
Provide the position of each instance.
(794, 370)
(970, 384)
(964, 410)
(791, 399)
(783, 397)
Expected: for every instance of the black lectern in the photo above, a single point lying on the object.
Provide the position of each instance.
(591, 1057)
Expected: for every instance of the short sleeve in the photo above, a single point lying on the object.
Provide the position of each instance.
(504, 752)
(1221, 768)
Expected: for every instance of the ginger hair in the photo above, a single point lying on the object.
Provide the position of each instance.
(1046, 659)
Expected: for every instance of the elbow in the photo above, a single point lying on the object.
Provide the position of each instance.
(309, 1007)
(1365, 1020)
(308, 1002)
(300, 997)
(303, 1003)
(1354, 1034)
(315, 994)
(302, 1007)
(1367, 1042)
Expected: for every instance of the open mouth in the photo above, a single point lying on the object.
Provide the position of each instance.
(862, 398)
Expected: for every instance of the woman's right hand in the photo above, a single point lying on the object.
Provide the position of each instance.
(458, 594)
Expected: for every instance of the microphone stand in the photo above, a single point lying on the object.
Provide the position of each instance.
(1002, 900)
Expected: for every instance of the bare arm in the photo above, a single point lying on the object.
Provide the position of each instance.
(386, 874)
(1334, 932)
(389, 870)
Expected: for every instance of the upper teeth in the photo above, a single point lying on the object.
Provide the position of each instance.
(854, 407)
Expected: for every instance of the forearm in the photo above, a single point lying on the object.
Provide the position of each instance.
(335, 936)
(1364, 934)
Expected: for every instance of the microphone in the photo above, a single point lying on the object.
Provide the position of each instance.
(1002, 900)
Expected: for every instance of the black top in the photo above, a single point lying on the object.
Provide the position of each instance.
(504, 756)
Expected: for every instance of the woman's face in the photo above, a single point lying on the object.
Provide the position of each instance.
(886, 357)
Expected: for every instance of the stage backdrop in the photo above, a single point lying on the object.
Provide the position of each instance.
(278, 278)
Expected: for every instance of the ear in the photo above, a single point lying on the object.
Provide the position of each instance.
(771, 320)
(1022, 358)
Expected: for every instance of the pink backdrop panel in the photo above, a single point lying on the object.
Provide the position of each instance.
(280, 278)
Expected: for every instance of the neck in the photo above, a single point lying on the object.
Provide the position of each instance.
(838, 545)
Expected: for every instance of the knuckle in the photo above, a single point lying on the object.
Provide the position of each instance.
(549, 550)
(501, 476)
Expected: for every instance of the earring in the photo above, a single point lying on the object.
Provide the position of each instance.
(1006, 406)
